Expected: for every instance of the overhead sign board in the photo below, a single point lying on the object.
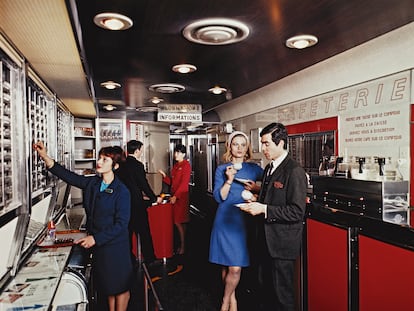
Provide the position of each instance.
(179, 113)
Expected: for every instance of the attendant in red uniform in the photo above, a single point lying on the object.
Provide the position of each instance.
(179, 180)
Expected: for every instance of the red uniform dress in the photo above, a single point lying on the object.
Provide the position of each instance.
(180, 177)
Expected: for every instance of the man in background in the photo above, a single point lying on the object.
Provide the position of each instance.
(133, 175)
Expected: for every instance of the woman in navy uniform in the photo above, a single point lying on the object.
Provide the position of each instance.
(107, 205)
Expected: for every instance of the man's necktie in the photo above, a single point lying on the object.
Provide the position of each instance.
(266, 182)
(269, 171)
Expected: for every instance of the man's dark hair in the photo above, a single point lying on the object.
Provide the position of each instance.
(119, 151)
(133, 145)
(278, 133)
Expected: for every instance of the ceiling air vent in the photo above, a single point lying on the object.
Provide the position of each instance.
(216, 31)
(167, 88)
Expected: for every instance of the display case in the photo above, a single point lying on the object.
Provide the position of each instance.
(11, 143)
(84, 146)
(13, 164)
(310, 148)
(41, 109)
(64, 125)
(384, 200)
(112, 132)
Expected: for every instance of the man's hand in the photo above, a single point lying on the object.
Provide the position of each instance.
(254, 208)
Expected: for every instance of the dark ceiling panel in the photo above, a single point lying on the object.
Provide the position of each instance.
(143, 55)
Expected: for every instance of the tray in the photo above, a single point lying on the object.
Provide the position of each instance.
(66, 238)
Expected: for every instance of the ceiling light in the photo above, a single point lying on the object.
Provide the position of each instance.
(217, 90)
(156, 100)
(184, 68)
(109, 107)
(167, 88)
(113, 21)
(301, 41)
(216, 31)
(110, 85)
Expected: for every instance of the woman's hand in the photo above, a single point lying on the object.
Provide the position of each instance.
(41, 150)
(162, 173)
(86, 242)
(230, 173)
(252, 186)
(173, 199)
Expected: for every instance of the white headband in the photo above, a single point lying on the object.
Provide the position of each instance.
(236, 133)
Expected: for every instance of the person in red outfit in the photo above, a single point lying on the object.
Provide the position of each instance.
(179, 180)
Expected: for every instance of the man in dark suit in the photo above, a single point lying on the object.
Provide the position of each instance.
(132, 174)
(282, 200)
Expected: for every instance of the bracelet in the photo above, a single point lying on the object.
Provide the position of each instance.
(229, 183)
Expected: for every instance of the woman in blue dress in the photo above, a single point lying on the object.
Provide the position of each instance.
(228, 241)
(107, 205)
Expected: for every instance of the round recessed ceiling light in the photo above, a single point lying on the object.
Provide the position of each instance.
(110, 85)
(301, 41)
(217, 90)
(109, 107)
(156, 100)
(184, 68)
(216, 31)
(167, 88)
(113, 21)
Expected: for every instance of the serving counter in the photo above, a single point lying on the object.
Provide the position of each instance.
(355, 258)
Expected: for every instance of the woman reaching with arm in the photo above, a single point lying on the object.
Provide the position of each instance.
(107, 205)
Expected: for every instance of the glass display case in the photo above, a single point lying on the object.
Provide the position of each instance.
(41, 108)
(84, 146)
(10, 139)
(12, 158)
(311, 148)
(112, 132)
(382, 200)
(64, 125)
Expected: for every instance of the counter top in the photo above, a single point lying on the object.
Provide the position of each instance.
(398, 235)
(35, 284)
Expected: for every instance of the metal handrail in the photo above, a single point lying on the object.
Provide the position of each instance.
(148, 284)
(147, 280)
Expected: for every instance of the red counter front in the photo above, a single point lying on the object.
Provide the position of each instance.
(160, 218)
(327, 267)
(386, 276)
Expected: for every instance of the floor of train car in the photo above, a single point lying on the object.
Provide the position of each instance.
(191, 283)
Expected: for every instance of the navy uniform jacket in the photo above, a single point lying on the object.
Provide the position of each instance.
(285, 197)
(102, 225)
